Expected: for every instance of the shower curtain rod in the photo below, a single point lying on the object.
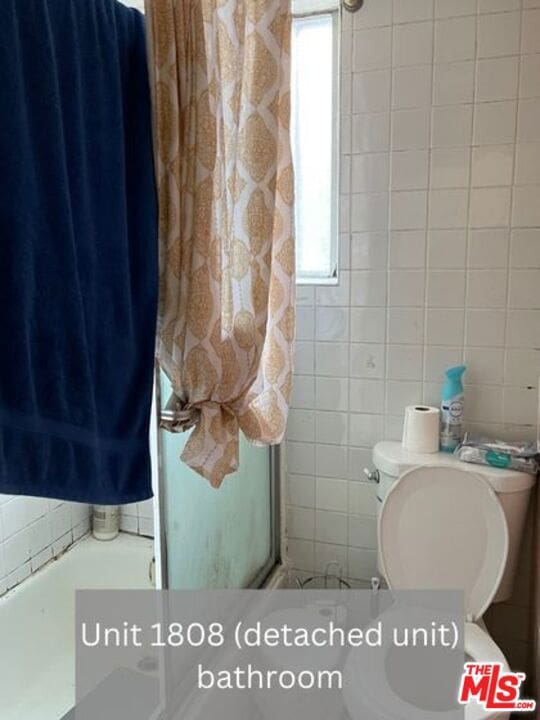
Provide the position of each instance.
(310, 7)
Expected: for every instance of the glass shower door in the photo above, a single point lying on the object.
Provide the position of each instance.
(216, 538)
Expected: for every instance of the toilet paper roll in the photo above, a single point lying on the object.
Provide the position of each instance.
(421, 429)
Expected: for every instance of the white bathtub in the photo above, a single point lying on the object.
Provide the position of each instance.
(37, 619)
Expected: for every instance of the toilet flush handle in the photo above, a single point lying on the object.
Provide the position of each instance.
(372, 475)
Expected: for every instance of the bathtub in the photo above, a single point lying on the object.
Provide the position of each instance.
(37, 619)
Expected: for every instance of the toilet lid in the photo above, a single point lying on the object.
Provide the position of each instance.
(443, 528)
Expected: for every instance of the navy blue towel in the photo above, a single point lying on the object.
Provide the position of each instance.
(78, 251)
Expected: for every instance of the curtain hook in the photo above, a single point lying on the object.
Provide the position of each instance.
(352, 5)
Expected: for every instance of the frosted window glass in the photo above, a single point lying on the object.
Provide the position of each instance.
(314, 139)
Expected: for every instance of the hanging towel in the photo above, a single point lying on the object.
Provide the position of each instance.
(78, 251)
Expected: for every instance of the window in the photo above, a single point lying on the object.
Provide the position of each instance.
(315, 97)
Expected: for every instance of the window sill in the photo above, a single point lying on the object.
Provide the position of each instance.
(325, 281)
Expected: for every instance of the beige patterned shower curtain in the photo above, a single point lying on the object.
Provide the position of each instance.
(221, 84)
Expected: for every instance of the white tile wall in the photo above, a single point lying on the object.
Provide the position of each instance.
(34, 530)
(440, 255)
(138, 518)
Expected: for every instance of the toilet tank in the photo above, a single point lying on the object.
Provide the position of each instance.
(513, 490)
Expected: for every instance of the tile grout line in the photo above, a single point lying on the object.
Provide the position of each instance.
(511, 220)
(469, 196)
(428, 213)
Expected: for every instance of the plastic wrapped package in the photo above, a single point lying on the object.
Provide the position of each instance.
(482, 450)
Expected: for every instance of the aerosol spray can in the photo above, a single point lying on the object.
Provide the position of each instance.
(452, 402)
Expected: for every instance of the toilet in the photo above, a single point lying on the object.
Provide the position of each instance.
(443, 524)
(512, 488)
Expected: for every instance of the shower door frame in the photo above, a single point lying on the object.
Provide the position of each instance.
(160, 538)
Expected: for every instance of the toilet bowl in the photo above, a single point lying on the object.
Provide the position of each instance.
(367, 686)
(440, 527)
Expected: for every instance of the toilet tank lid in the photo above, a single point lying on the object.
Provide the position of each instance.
(391, 458)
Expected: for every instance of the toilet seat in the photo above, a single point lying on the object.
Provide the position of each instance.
(443, 528)
(368, 683)
(481, 648)
(439, 528)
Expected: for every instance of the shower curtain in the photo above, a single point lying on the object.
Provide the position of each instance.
(220, 76)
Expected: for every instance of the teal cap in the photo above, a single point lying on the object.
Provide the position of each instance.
(453, 385)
